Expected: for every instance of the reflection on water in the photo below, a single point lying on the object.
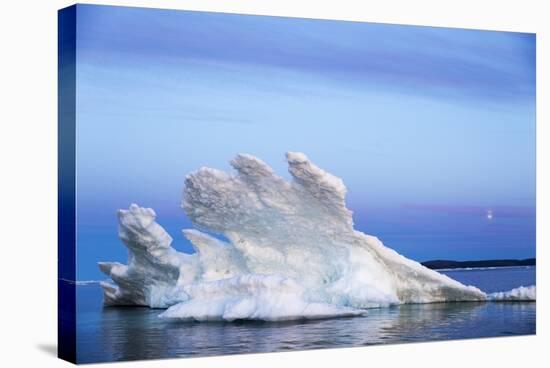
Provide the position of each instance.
(138, 333)
(114, 334)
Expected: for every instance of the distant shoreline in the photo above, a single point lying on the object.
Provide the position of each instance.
(439, 264)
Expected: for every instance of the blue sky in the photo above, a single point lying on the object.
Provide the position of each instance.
(428, 127)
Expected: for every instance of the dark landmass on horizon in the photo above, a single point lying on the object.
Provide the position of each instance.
(443, 263)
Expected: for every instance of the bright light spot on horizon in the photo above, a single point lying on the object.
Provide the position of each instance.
(489, 214)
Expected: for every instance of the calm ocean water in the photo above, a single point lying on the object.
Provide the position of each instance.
(130, 333)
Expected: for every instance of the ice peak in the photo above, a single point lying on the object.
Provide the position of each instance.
(249, 166)
(296, 157)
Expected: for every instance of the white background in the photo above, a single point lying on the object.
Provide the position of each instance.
(28, 182)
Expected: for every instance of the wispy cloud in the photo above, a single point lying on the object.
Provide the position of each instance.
(445, 62)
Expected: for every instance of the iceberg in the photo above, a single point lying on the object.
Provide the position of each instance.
(519, 294)
(291, 252)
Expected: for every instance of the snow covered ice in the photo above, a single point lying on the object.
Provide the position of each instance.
(517, 294)
(292, 252)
